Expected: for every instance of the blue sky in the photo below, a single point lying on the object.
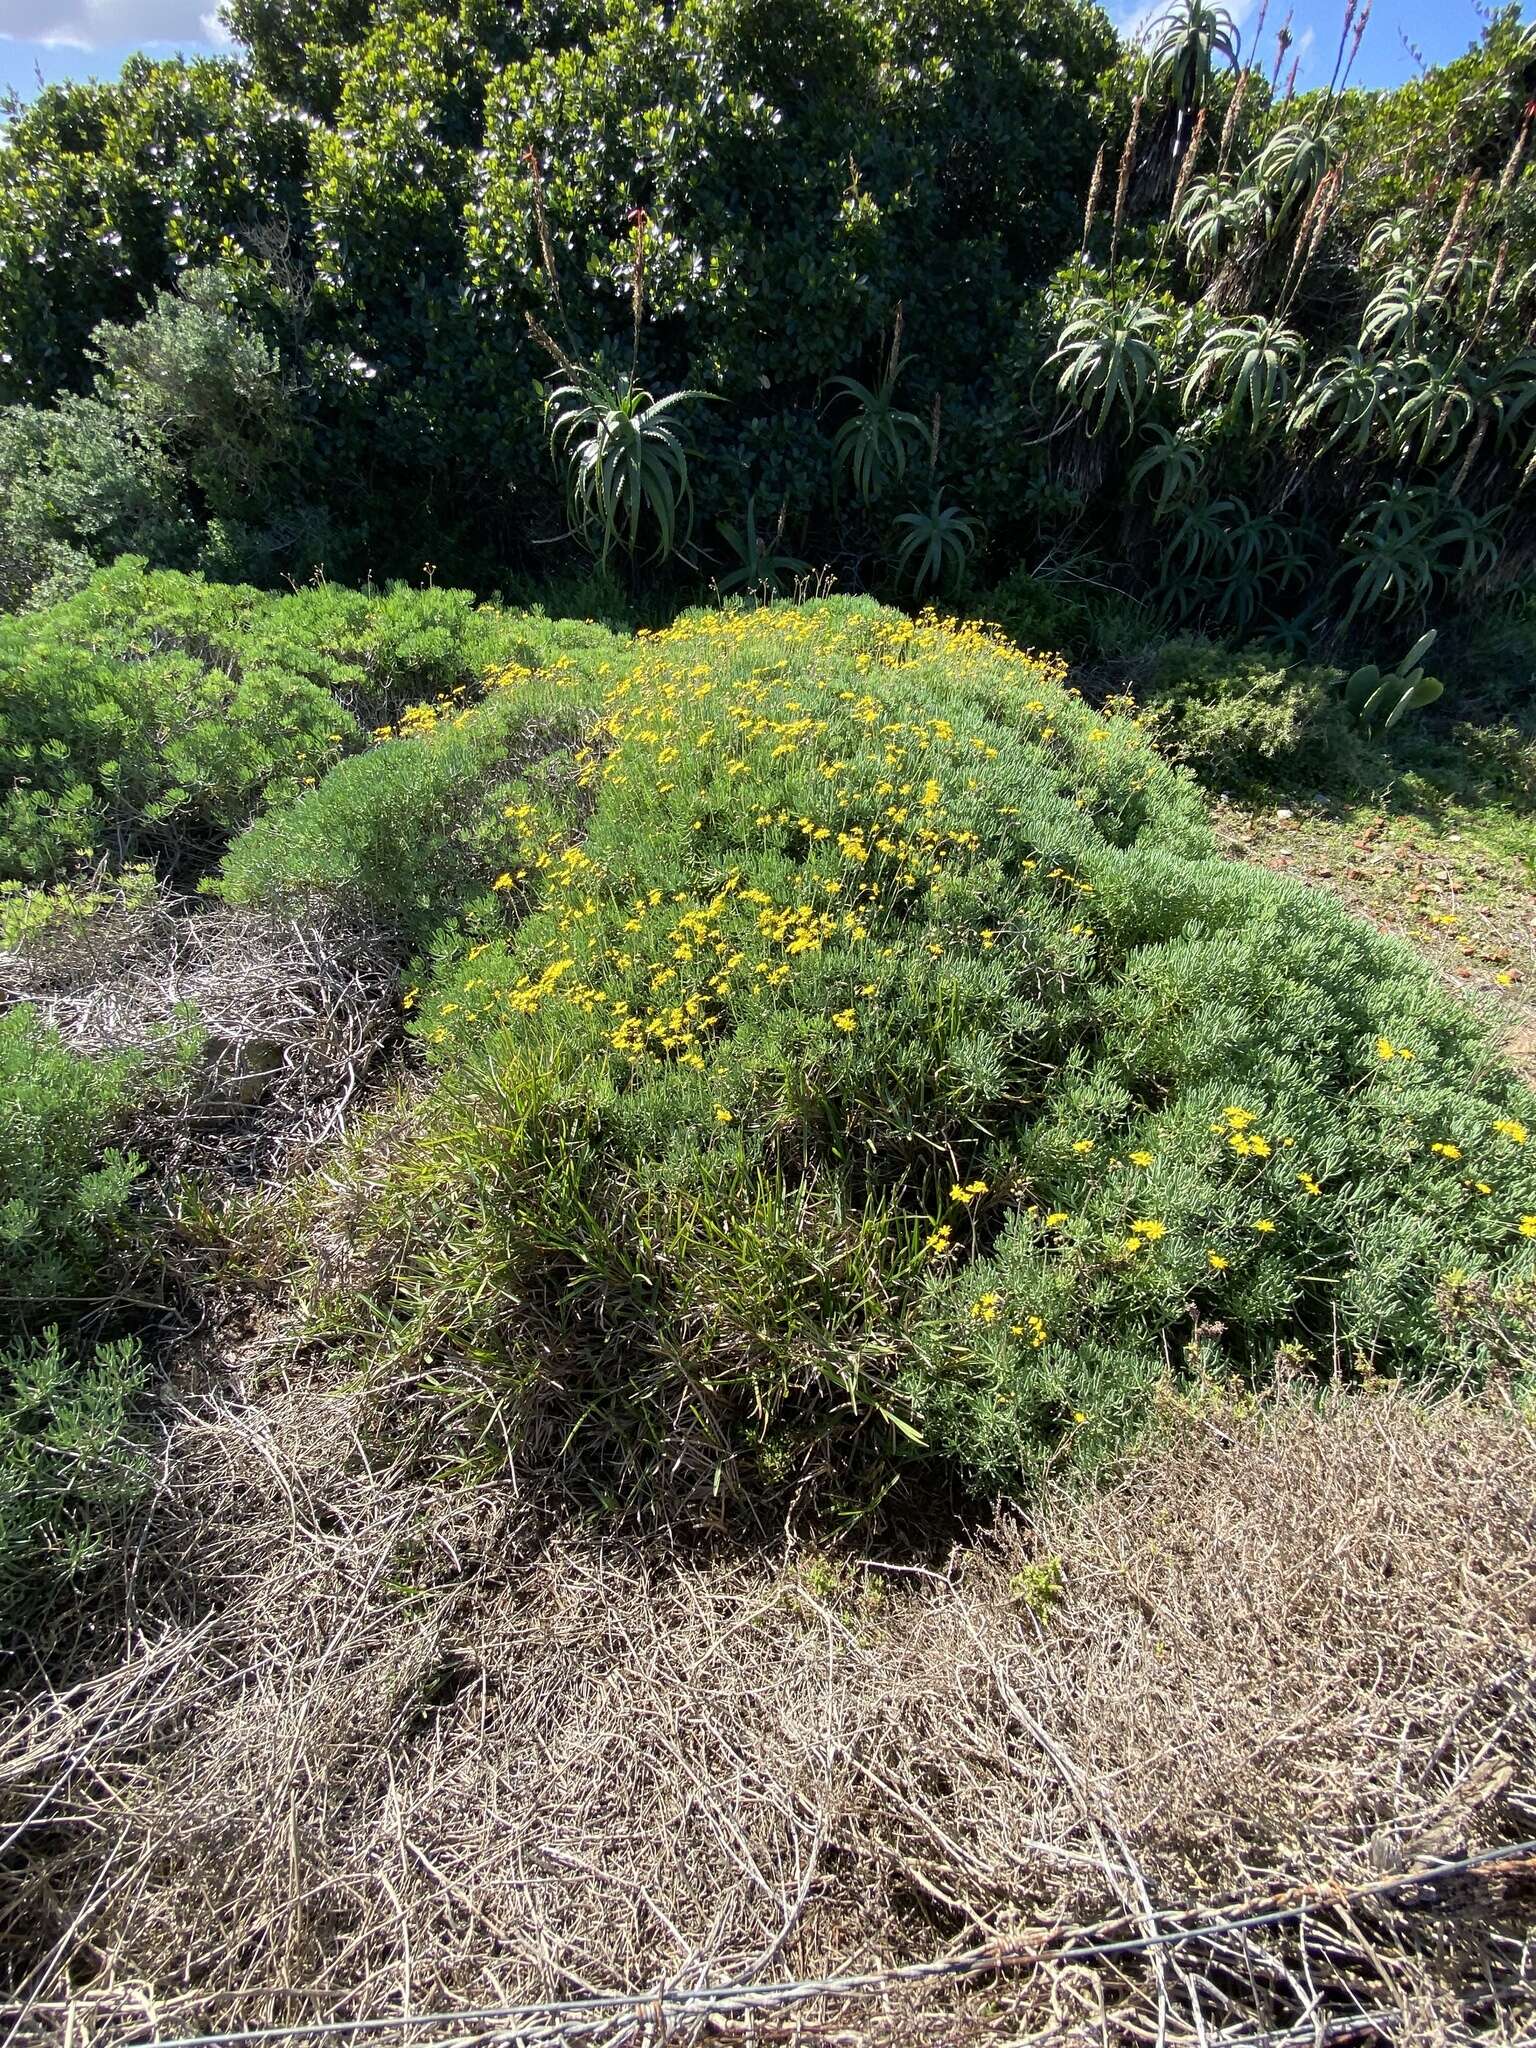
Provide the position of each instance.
(90, 38)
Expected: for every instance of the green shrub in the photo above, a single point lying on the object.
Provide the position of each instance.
(153, 712)
(1241, 718)
(1037, 614)
(873, 1061)
(408, 833)
(67, 1186)
(71, 1461)
(141, 714)
(73, 1245)
(79, 485)
(362, 178)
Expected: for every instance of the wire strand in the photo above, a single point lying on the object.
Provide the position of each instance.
(749, 1996)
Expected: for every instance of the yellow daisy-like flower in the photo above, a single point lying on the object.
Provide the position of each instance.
(969, 1192)
(1446, 1151)
(723, 1115)
(985, 1307)
(1149, 1228)
(1216, 1262)
(1082, 1145)
(1528, 1226)
(1509, 1127)
(938, 1242)
(1264, 1224)
(1056, 1218)
(846, 1020)
(1141, 1158)
(502, 882)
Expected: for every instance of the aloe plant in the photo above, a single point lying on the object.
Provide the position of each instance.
(1187, 43)
(873, 444)
(1291, 165)
(934, 541)
(1108, 362)
(761, 564)
(1171, 466)
(1216, 216)
(1351, 397)
(1401, 314)
(623, 462)
(1251, 364)
(1434, 412)
(1393, 237)
(1380, 698)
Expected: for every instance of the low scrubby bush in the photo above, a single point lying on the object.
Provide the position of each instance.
(71, 1460)
(407, 833)
(870, 1059)
(66, 1185)
(137, 717)
(1244, 718)
(69, 1244)
(155, 714)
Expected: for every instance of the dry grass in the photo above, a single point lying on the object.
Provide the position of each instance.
(293, 1012)
(368, 1745)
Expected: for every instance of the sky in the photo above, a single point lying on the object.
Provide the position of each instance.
(58, 39)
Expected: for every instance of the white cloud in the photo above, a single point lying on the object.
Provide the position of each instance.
(90, 24)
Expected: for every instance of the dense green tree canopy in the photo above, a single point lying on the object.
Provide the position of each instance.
(805, 166)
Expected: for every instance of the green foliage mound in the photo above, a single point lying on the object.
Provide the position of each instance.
(68, 1457)
(1248, 719)
(861, 1057)
(67, 1187)
(153, 714)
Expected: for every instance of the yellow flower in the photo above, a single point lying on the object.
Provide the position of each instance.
(1141, 1158)
(845, 1020)
(1078, 1415)
(1309, 1184)
(1083, 1145)
(502, 882)
(1528, 1226)
(408, 1000)
(723, 1115)
(1217, 1263)
(1056, 1217)
(969, 1192)
(938, 1242)
(1149, 1228)
(1385, 1049)
(985, 1307)
(1446, 1151)
(1264, 1224)
(1508, 1127)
